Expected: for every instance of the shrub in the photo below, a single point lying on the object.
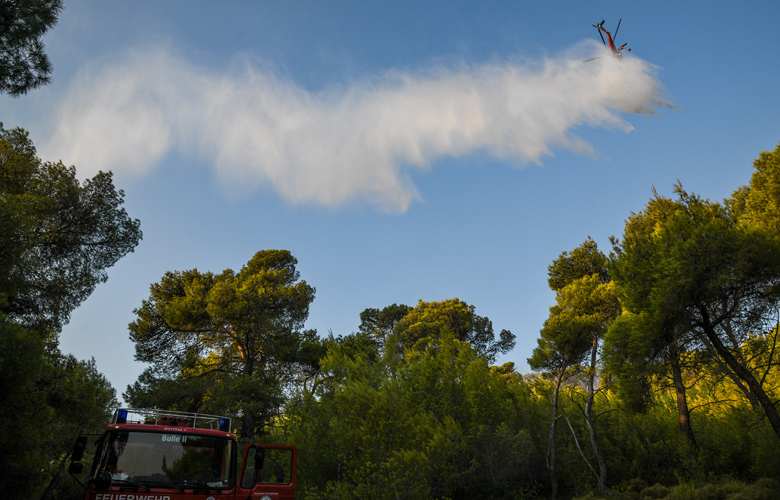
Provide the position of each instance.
(656, 491)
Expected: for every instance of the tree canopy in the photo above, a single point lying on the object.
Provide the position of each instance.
(585, 260)
(57, 236)
(758, 204)
(431, 320)
(381, 323)
(46, 399)
(23, 63)
(241, 332)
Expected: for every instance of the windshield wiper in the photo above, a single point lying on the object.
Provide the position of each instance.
(161, 484)
(133, 484)
(198, 486)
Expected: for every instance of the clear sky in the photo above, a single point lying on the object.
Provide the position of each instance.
(400, 150)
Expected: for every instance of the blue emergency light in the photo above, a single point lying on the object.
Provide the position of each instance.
(224, 424)
(121, 416)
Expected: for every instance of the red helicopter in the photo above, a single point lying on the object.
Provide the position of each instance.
(616, 51)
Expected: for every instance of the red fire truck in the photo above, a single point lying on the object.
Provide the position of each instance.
(148, 454)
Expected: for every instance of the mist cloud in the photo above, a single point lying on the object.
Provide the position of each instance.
(337, 146)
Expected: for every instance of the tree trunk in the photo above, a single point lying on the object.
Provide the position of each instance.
(248, 421)
(248, 425)
(594, 441)
(551, 445)
(742, 372)
(730, 374)
(682, 405)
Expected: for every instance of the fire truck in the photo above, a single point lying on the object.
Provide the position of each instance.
(146, 454)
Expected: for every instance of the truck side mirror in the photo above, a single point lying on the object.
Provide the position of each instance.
(78, 449)
(75, 468)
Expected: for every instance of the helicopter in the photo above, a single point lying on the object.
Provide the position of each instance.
(616, 51)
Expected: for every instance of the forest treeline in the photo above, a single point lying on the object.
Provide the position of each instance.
(655, 373)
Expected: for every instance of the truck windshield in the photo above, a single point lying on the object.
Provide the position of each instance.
(159, 459)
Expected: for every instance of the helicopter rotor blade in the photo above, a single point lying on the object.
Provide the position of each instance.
(616, 29)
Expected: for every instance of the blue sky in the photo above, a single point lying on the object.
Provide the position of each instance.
(400, 150)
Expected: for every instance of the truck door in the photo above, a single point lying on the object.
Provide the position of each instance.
(268, 472)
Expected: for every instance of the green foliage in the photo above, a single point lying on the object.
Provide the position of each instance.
(23, 63)
(439, 424)
(758, 204)
(429, 321)
(585, 260)
(563, 343)
(634, 351)
(380, 324)
(645, 446)
(655, 491)
(57, 236)
(21, 353)
(585, 304)
(168, 392)
(46, 400)
(581, 314)
(763, 489)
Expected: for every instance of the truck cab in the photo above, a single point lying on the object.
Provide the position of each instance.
(146, 454)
